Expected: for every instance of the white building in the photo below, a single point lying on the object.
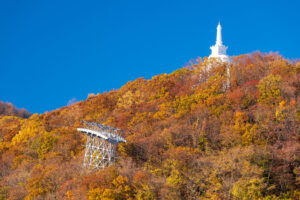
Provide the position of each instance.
(219, 50)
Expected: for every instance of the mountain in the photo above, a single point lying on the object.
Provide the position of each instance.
(11, 110)
(189, 136)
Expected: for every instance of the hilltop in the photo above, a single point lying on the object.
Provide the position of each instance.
(189, 137)
(10, 110)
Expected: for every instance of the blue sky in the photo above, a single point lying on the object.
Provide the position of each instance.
(55, 51)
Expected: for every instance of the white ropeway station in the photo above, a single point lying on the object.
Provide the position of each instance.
(100, 148)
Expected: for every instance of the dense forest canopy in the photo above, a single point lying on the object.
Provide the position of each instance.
(11, 110)
(189, 137)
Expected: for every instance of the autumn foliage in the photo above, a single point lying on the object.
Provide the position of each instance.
(190, 136)
(11, 110)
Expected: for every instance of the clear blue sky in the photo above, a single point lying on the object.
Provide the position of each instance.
(54, 51)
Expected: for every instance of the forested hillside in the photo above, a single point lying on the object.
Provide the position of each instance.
(10, 109)
(189, 137)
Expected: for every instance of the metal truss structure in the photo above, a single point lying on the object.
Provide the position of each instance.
(100, 148)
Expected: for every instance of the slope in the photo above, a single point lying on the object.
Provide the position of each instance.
(188, 137)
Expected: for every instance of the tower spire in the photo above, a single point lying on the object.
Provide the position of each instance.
(219, 35)
(219, 50)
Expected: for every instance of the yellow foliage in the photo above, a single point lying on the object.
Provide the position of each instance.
(164, 111)
(145, 193)
(162, 93)
(28, 130)
(249, 132)
(183, 105)
(139, 117)
(280, 111)
(188, 137)
(69, 195)
(121, 190)
(41, 182)
(130, 98)
(248, 189)
(270, 89)
(175, 178)
(241, 125)
(96, 194)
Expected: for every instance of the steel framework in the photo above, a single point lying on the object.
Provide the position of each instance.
(100, 148)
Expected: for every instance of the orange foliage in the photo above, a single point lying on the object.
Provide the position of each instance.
(189, 136)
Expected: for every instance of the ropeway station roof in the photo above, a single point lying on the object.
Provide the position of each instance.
(102, 131)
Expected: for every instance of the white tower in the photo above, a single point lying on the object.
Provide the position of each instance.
(219, 50)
